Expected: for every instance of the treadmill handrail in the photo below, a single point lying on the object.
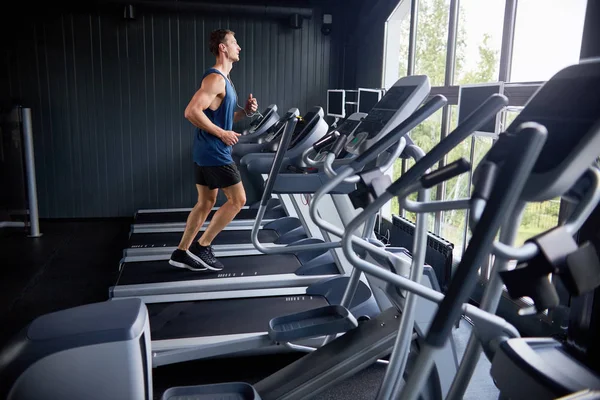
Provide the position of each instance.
(290, 125)
(392, 138)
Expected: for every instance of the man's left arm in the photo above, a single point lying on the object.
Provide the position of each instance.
(250, 108)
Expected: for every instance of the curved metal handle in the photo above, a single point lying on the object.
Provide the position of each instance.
(291, 120)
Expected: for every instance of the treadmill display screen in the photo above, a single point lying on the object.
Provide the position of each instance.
(348, 127)
(471, 97)
(395, 98)
(383, 111)
(568, 108)
(367, 99)
(335, 103)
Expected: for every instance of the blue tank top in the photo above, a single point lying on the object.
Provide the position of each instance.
(209, 150)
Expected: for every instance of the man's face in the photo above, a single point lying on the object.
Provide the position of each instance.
(231, 47)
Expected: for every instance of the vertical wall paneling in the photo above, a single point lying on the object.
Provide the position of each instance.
(108, 97)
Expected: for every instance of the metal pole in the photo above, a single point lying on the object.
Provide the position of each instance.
(508, 35)
(30, 170)
(410, 70)
(491, 299)
(448, 81)
(412, 44)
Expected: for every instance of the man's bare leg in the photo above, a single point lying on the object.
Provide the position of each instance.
(236, 198)
(206, 201)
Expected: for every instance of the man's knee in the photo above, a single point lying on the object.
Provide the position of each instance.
(238, 201)
(206, 204)
(237, 198)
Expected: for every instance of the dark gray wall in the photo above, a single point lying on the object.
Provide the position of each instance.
(364, 43)
(108, 95)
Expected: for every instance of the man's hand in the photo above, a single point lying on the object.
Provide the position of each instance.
(229, 137)
(251, 105)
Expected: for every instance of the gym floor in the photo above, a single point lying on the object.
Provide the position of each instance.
(75, 262)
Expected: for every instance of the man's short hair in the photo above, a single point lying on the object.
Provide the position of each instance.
(216, 38)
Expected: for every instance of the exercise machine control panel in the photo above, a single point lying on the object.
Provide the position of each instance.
(398, 103)
(347, 128)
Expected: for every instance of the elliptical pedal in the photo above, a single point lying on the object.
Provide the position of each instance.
(230, 391)
(323, 321)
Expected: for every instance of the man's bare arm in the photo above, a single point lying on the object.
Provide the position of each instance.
(239, 115)
(250, 108)
(211, 87)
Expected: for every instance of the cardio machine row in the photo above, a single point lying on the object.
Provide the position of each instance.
(532, 161)
(232, 307)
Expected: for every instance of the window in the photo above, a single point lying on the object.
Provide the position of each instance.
(396, 44)
(432, 39)
(426, 136)
(479, 39)
(547, 38)
(537, 217)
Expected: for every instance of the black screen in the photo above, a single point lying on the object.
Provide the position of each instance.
(335, 103)
(568, 108)
(473, 97)
(367, 100)
(348, 127)
(395, 97)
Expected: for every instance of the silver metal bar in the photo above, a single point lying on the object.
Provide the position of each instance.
(579, 216)
(167, 210)
(412, 44)
(434, 206)
(508, 35)
(330, 172)
(224, 282)
(448, 81)
(469, 184)
(30, 170)
(244, 224)
(247, 248)
(394, 156)
(489, 303)
(395, 372)
(231, 294)
(12, 224)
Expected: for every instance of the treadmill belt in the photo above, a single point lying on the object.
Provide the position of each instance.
(172, 239)
(144, 272)
(181, 216)
(224, 317)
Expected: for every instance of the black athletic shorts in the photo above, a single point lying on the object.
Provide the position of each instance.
(217, 177)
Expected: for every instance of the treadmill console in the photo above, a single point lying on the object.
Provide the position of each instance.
(399, 102)
(347, 128)
(275, 131)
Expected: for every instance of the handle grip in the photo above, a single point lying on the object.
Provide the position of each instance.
(416, 118)
(326, 141)
(339, 145)
(445, 173)
(476, 119)
(290, 119)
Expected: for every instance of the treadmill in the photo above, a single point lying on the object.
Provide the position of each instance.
(151, 275)
(259, 128)
(186, 326)
(260, 125)
(283, 230)
(310, 128)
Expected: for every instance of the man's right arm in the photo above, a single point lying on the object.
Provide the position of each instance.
(211, 87)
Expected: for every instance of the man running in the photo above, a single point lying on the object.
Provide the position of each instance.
(212, 112)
